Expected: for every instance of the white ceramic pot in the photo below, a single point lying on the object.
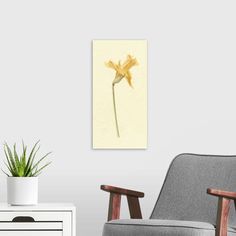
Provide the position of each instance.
(22, 190)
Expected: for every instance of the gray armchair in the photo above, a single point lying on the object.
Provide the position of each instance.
(184, 206)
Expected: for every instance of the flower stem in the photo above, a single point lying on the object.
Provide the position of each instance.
(114, 106)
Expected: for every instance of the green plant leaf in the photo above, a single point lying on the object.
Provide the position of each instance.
(31, 160)
(39, 171)
(40, 160)
(11, 159)
(5, 173)
(10, 170)
(8, 161)
(17, 161)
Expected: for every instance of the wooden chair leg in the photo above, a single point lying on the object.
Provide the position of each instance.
(134, 207)
(114, 206)
(222, 216)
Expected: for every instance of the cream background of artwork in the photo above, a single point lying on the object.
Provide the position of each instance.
(131, 102)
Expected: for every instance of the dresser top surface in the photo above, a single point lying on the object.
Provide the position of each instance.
(39, 207)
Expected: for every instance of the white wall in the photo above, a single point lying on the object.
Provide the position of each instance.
(45, 91)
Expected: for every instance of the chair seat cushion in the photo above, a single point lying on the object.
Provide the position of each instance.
(156, 227)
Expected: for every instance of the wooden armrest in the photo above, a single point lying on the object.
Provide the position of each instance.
(115, 202)
(122, 191)
(224, 200)
(222, 193)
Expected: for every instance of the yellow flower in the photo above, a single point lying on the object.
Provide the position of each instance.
(123, 70)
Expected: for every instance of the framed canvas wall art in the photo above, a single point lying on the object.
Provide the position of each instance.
(119, 94)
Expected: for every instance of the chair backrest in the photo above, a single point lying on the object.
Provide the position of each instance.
(183, 195)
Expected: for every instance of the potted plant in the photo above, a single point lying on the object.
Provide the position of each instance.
(22, 180)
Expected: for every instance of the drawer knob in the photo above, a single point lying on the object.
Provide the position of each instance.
(23, 219)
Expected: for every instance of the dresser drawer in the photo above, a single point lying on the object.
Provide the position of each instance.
(35, 223)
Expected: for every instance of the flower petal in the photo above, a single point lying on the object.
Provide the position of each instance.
(128, 78)
(116, 67)
(112, 65)
(130, 62)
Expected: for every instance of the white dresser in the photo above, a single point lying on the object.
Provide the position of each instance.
(51, 219)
